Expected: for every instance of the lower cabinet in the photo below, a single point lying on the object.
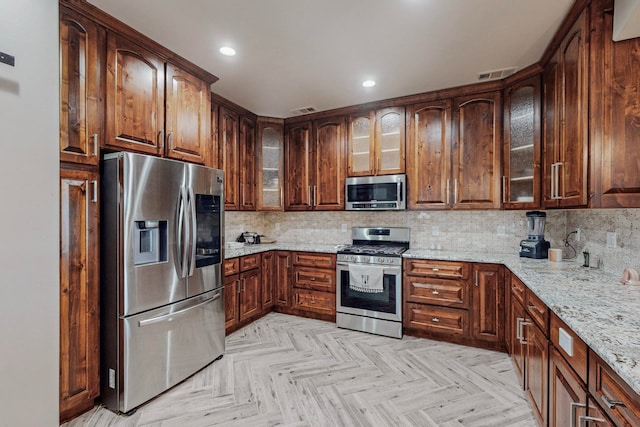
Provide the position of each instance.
(283, 279)
(242, 290)
(313, 284)
(79, 292)
(455, 301)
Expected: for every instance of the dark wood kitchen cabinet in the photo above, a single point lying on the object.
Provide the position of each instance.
(614, 113)
(377, 142)
(315, 165)
(522, 145)
(268, 279)
(270, 168)
(313, 284)
(79, 291)
(530, 346)
(477, 130)
(566, 119)
(82, 64)
(229, 156)
(454, 155)
(242, 291)
(145, 116)
(283, 275)
(429, 148)
(488, 309)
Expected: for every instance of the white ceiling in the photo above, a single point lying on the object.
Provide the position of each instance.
(300, 53)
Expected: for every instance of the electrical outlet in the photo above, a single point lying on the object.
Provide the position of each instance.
(577, 234)
(612, 239)
(344, 228)
(501, 230)
(435, 230)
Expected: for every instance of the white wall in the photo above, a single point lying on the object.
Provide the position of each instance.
(29, 277)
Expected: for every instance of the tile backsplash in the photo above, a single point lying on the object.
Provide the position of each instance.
(476, 231)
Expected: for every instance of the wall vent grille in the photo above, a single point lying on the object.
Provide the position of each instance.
(496, 74)
(304, 110)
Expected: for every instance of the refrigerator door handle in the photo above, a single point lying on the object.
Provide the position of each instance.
(180, 233)
(170, 316)
(194, 232)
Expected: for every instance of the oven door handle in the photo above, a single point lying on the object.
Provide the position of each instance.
(344, 266)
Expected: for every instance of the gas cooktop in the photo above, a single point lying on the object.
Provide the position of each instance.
(360, 249)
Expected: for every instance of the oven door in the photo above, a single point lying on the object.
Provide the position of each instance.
(383, 305)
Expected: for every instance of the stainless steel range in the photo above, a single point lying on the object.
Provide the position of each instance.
(369, 275)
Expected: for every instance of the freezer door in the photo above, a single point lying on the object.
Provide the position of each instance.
(206, 207)
(164, 346)
(153, 202)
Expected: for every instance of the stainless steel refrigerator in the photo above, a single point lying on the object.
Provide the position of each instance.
(162, 310)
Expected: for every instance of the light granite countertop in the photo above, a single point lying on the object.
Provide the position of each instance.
(604, 313)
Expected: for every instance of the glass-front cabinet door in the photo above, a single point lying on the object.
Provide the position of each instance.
(521, 179)
(377, 142)
(270, 164)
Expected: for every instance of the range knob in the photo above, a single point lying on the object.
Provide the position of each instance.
(380, 260)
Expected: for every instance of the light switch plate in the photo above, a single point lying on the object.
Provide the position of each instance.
(566, 341)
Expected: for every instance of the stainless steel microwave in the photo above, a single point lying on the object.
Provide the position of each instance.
(370, 193)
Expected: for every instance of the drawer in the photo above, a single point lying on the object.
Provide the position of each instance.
(446, 269)
(439, 320)
(538, 311)
(613, 395)
(428, 290)
(518, 289)
(319, 302)
(572, 348)
(250, 261)
(231, 266)
(319, 279)
(310, 259)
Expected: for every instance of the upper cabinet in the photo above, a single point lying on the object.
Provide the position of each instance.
(187, 120)
(270, 155)
(377, 142)
(566, 119)
(82, 65)
(521, 161)
(429, 155)
(315, 165)
(615, 114)
(237, 157)
(136, 102)
(454, 153)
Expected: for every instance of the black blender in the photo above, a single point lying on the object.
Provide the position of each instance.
(535, 246)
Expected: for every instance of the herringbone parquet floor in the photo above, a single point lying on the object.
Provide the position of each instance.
(292, 371)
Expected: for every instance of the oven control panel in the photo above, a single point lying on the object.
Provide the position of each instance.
(370, 259)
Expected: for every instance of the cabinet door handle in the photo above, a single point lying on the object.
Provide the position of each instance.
(287, 261)
(378, 164)
(238, 285)
(523, 323)
(582, 420)
(504, 189)
(447, 191)
(518, 329)
(161, 138)
(94, 184)
(455, 191)
(315, 194)
(572, 409)
(309, 195)
(611, 403)
(476, 278)
(170, 140)
(435, 319)
(558, 180)
(95, 144)
(435, 269)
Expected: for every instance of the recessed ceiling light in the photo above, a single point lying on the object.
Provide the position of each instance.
(227, 51)
(368, 83)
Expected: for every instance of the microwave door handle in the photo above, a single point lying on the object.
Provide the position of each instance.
(400, 191)
(194, 231)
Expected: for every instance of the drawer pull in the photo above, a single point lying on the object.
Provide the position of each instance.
(515, 288)
(536, 308)
(435, 292)
(313, 279)
(611, 403)
(435, 319)
(436, 269)
(312, 301)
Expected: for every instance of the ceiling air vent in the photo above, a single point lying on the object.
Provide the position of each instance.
(496, 74)
(304, 110)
